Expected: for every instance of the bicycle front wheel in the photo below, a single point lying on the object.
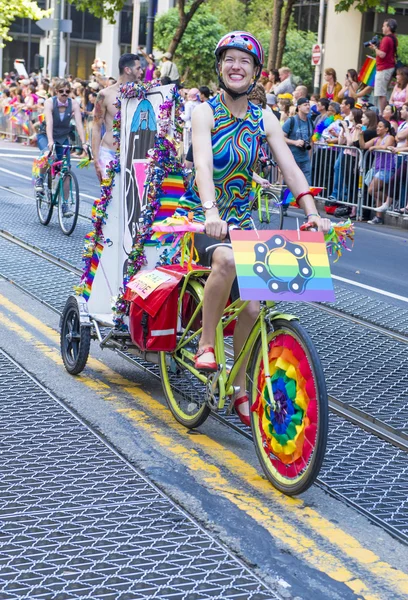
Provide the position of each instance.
(185, 394)
(269, 214)
(290, 441)
(68, 203)
(44, 201)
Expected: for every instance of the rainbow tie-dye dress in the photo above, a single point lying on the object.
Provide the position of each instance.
(236, 144)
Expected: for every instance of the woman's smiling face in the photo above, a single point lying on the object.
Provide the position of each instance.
(238, 69)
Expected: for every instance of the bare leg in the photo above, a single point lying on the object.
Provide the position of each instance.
(243, 328)
(382, 102)
(216, 293)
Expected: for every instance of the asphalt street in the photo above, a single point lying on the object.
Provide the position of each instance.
(313, 547)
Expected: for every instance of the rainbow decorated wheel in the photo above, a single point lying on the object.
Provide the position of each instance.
(290, 431)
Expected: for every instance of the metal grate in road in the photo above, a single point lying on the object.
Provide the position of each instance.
(48, 282)
(21, 220)
(369, 472)
(78, 522)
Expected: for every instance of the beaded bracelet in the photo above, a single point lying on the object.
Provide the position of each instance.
(312, 215)
(309, 193)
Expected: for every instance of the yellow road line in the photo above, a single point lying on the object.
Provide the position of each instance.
(349, 545)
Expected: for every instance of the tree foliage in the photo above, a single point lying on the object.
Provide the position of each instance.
(195, 53)
(361, 5)
(106, 9)
(297, 55)
(18, 8)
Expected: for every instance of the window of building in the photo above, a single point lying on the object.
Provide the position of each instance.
(84, 25)
(81, 57)
(306, 15)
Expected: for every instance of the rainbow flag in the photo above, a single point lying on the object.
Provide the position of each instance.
(6, 109)
(41, 118)
(368, 71)
(282, 265)
(25, 128)
(289, 198)
(87, 284)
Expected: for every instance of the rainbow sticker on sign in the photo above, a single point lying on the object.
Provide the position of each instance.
(282, 265)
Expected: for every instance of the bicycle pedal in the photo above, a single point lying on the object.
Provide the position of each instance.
(231, 404)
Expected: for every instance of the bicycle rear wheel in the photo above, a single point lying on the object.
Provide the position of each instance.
(269, 215)
(44, 200)
(68, 208)
(185, 394)
(290, 441)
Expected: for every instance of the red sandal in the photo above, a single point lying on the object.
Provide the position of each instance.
(201, 365)
(245, 419)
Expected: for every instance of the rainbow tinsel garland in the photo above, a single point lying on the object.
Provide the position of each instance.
(99, 211)
(162, 161)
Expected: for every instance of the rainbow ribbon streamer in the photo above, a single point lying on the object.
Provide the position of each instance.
(368, 71)
(289, 198)
(336, 239)
(96, 256)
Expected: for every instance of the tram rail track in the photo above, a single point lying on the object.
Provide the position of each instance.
(359, 418)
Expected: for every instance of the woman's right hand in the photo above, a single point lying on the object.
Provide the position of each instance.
(214, 226)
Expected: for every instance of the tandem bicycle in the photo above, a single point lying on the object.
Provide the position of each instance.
(285, 379)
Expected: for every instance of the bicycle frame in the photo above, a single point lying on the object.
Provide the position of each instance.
(61, 167)
(224, 379)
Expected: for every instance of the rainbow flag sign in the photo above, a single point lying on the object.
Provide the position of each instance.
(368, 71)
(282, 265)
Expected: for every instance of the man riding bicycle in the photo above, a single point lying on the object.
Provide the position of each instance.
(228, 132)
(59, 111)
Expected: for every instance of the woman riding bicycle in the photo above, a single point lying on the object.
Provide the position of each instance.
(228, 131)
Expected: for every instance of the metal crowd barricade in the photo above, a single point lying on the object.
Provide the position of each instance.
(339, 171)
(385, 180)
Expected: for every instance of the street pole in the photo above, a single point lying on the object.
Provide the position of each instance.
(68, 42)
(318, 68)
(150, 27)
(135, 27)
(29, 48)
(56, 38)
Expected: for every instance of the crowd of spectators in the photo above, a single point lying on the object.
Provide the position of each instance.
(352, 114)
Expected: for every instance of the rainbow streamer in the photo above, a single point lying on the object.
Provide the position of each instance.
(96, 256)
(289, 198)
(282, 265)
(368, 71)
(336, 239)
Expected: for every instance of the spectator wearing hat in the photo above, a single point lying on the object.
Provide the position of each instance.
(298, 131)
(169, 71)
